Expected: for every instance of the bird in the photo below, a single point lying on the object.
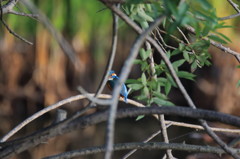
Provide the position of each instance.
(112, 80)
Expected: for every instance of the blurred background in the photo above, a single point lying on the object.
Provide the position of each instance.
(33, 77)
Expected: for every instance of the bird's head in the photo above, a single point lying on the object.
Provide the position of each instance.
(112, 75)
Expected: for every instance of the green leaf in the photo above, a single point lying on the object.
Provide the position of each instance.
(144, 24)
(144, 79)
(238, 66)
(181, 47)
(144, 66)
(162, 102)
(194, 66)
(168, 54)
(205, 4)
(143, 15)
(186, 56)
(225, 37)
(168, 87)
(162, 80)
(178, 63)
(160, 95)
(142, 97)
(140, 117)
(135, 86)
(145, 54)
(175, 52)
(216, 38)
(186, 75)
(146, 91)
(206, 30)
(128, 81)
(137, 61)
(152, 84)
(169, 78)
(207, 63)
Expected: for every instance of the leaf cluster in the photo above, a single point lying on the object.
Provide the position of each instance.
(199, 14)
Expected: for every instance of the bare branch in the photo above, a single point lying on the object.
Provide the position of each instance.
(230, 16)
(145, 141)
(8, 149)
(142, 146)
(34, 16)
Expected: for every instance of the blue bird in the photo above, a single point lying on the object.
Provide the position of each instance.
(112, 80)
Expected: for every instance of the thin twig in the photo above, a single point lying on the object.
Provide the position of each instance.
(163, 42)
(165, 135)
(142, 146)
(34, 16)
(145, 141)
(9, 29)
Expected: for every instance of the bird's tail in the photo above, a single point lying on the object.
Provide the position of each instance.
(125, 99)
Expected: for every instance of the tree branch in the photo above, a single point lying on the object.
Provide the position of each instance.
(142, 146)
(8, 149)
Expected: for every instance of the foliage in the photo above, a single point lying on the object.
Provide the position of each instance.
(192, 51)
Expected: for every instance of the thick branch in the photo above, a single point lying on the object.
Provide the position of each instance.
(8, 149)
(142, 146)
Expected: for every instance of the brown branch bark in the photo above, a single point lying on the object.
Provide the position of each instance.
(9, 149)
